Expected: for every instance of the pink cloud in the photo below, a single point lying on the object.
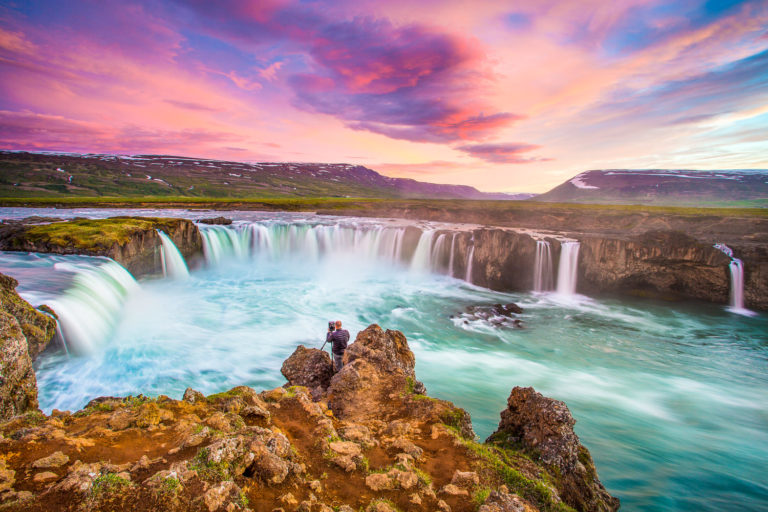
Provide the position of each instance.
(270, 72)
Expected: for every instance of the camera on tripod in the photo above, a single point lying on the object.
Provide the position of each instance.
(331, 325)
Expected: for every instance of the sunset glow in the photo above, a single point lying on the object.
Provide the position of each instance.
(503, 96)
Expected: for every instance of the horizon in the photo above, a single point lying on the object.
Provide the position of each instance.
(638, 85)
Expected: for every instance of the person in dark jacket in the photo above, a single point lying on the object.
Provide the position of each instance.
(338, 338)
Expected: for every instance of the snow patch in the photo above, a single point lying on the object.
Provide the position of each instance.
(578, 182)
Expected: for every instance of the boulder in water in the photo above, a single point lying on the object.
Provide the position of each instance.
(507, 309)
(218, 221)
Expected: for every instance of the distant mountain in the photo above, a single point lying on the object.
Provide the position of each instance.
(47, 174)
(742, 187)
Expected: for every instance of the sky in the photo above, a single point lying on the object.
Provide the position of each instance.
(510, 96)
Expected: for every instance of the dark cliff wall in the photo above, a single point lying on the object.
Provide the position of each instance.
(663, 264)
(666, 264)
(501, 260)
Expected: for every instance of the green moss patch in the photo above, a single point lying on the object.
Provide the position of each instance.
(501, 461)
(94, 234)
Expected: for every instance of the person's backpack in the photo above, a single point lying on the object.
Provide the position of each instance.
(343, 339)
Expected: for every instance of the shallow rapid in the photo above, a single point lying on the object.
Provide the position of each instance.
(669, 398)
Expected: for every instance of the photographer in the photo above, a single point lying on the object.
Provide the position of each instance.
(338, 338)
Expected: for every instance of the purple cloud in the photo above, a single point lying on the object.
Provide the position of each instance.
(509, 153)
(412, 82)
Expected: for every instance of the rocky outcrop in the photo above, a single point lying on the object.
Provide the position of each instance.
(18, 386)
(377, 365)
(543, 428)
(131, 241)
(387, 448)
(38, 328)
(24, 333)
(309, 367)
(216, 221)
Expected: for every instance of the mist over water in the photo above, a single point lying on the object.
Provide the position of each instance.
(669, 398)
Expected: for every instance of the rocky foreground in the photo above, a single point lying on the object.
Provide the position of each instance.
(366, 438)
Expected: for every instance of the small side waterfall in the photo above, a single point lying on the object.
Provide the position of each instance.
(89, 308)
(173, 262)
(468, 277)
(542, 271)
(567, 270)
(736, 268)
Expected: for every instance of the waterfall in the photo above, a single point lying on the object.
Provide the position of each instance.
(450, 259)
(90, 307)
(468, 277)
(542, 270)
(220, 242)
(736, 268)
(737, 283)
(436, 256)
(173, 262)
(421, 257)
(568, 269)
(275, 240)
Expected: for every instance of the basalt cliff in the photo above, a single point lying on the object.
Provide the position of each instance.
(642, 257)
(365, 438)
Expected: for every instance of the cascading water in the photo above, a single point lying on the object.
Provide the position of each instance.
(173, 262)
(542, 272)
(450, 258)
(88, 310)
(468, 276)
(436, 263)
(421, 258)
(568, 267)
(220, 242)
(736, 268)
(312, 242)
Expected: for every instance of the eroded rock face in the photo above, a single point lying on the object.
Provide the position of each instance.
(38, 328)
(18, 385)
(309, 367)
(377, 364)
(543, 427)
(24, 333)
(658, 263)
